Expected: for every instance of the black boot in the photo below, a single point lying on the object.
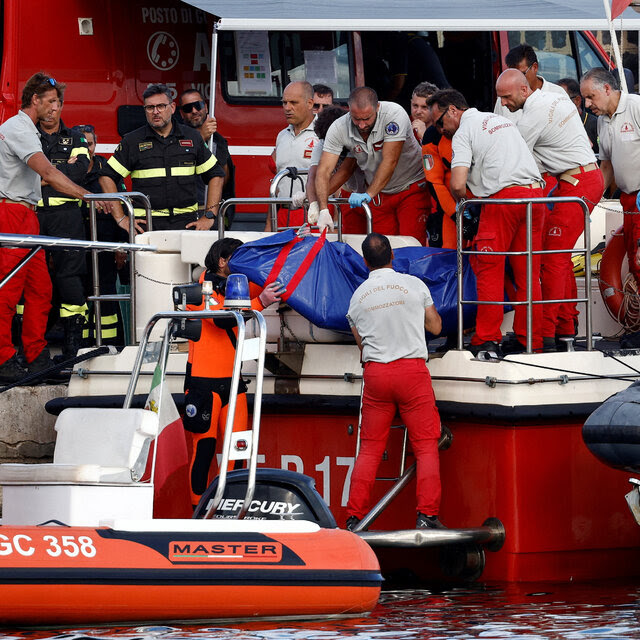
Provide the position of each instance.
(73, 327)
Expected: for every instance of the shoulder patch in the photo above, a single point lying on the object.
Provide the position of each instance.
(392, 128)
(427, 161)
(186, 143)
(65, 141)
(142, 146)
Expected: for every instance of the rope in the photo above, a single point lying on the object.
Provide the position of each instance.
(629, 312)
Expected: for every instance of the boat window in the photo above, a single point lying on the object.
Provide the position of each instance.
(257, 65)
(587, 57)
(556, 58)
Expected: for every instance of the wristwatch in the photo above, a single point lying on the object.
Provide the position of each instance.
(210, 214)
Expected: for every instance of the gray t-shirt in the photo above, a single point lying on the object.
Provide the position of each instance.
(620, 142)
(494, 151)
(19, 140)
(553, 131)
(392, 125)
(387, 310)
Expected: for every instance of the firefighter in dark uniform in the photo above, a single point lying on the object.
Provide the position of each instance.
(165, 159)
(207, 381)
(59, 215)
(112, 330)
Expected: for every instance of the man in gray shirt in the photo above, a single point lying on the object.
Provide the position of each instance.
(388, 315)
(22, 166)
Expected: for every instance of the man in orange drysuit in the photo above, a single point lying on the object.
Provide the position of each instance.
(210, 367)
(436, 162)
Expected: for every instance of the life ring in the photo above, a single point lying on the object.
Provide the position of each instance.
(620, 297)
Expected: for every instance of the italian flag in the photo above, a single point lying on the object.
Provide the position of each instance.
(171, 493)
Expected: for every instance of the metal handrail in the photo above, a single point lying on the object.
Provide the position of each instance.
(125, 199)
(239, 317)
(529, 253)
(273, 191)
(275, 201)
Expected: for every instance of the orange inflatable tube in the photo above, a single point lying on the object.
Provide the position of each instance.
(610, 281)
(73, 575)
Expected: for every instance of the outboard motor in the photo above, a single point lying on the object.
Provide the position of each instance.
(612, 431)
(279, 495)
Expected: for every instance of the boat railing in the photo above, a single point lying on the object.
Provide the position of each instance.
(529, 253)
(238, 445)
(285, 201)
(98, 298)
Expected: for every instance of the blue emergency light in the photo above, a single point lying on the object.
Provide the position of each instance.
(237, 292)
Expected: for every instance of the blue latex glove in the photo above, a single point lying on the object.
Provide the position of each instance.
(356, 199)
(550, 205)
(638, 201)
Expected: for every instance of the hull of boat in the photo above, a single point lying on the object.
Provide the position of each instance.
(74, 575)
(556, 501)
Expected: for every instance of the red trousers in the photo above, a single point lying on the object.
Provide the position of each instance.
(563, 226)
(402, 386)
(503, 228)
(403, 213)
(32, 280)
(290, 218)
(631, 229)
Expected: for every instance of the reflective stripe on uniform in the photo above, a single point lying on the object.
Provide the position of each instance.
(56, 202)
(149, 173)
(183, 171)
(206, 166)
(79, 151)
(109, 328)
(68, 310)
(117, 167)
(166, 212)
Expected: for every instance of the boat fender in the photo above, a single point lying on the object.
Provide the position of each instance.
(612, 431)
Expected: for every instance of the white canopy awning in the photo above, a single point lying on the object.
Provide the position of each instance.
(414, 15)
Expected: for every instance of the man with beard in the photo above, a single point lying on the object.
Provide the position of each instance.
(195, 113)
(379, 136)
(165, 160)
(24, 167)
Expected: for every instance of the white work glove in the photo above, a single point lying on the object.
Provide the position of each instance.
(297, 199)
(325, 220)
(271, 294)
(304, 230)
(312, 213)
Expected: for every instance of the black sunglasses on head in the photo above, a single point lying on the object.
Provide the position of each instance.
(198, 105)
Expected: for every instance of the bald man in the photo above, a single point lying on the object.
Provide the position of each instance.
(294, 145)
(553, 131)
(524, 59)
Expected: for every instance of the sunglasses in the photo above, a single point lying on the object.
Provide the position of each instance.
(85, 128)
(439, 121)
(198, 105)
(51, 81)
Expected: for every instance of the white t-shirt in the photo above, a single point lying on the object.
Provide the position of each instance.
(387, 310)
(392, 124)
(494, 151)
(294, 151)
(19, 140)
(553, 131)
(547, 87)
(619, 138)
